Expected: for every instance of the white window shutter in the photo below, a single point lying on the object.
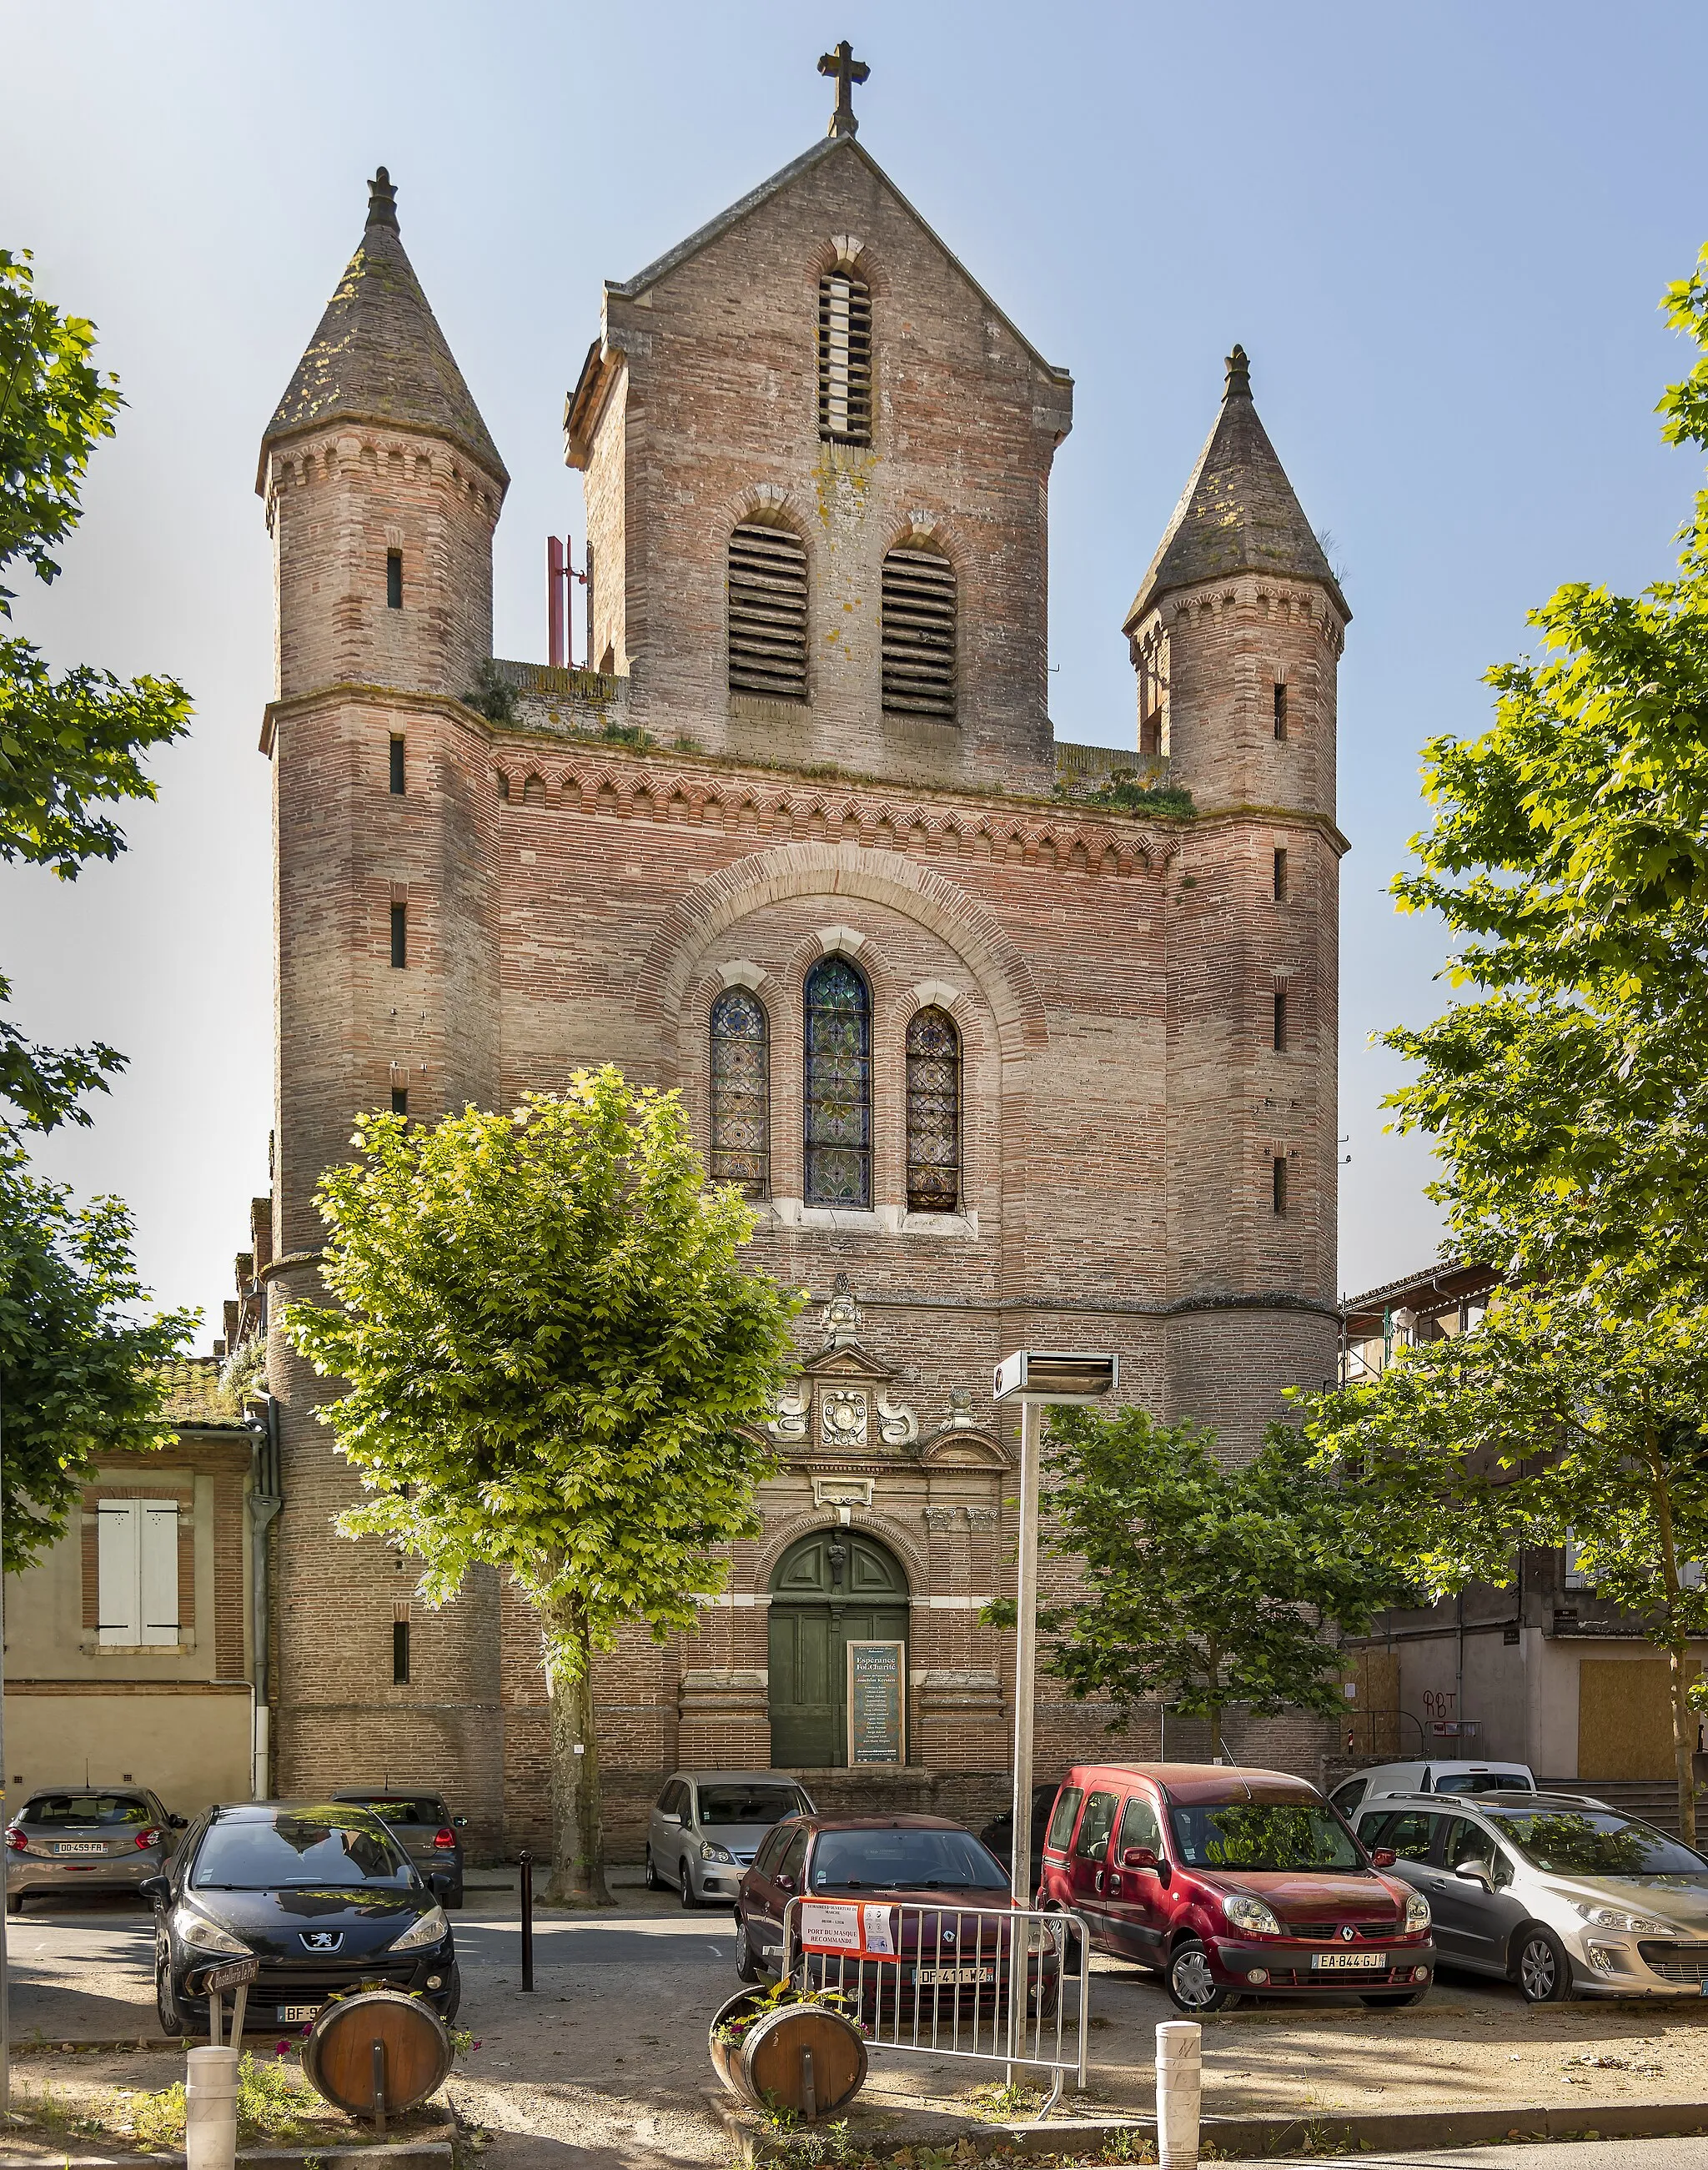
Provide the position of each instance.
(120, 1609)
(159, 1571)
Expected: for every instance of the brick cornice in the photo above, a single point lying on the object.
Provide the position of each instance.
(379, 697)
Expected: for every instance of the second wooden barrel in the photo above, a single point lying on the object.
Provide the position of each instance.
(803, 2058)
(379, 2043)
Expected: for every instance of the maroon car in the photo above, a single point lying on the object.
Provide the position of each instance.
(1232, 1883)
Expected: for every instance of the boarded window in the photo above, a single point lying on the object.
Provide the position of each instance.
(137, 1556)
(933, 1114)
(767, 612)
(919, 632)
(839, 1085)
(844, 358)
(741, 1093)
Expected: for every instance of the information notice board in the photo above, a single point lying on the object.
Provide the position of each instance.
(877, 1702)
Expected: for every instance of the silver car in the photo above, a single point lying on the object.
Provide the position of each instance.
(68, 1839)
(707, 1826)
(1561, 1894)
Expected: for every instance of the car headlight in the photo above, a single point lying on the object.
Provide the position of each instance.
(1613, 1917)
(428, 1930)
(711, 1851)
(1251, 1916)
(1416, 1913)
(195, 1928)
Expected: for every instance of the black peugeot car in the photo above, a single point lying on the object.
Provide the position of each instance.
(320, 1892)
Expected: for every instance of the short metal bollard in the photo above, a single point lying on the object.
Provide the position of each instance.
(524, 1862)
(1179, 2092)
(211, 2110)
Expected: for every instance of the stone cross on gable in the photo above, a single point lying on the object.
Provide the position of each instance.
(848, 71)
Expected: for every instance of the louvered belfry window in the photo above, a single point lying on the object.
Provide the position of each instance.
(933, 1114)
(767, 612)
(741, 1093)
(919, 632)
(844, 358)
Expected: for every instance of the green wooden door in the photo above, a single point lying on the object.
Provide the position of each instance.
(830, 1589)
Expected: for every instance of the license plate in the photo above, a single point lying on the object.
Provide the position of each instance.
(299, 2011)
(83, 1846)
(952, 1974)
(1348, 1962)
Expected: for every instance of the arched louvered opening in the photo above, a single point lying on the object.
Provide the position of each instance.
(844, 358)
(933, 1114)
(741, 1093)
(919, 632)
(839, 1085)
(767, 612)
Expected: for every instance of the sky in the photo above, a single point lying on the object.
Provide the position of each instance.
(1440, 233)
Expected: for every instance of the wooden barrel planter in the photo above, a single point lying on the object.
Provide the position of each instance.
(377, 2053)
(745, 2002)
(805, 2058)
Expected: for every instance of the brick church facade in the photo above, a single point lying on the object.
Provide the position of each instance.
(999, 1063)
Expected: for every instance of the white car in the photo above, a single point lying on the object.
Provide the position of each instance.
(1440, 1775)
(707, 1826)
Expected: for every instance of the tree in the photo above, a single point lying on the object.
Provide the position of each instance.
(68, 746)
(1206, 1583)
(1559, 1418)
(1569, 854)
(555, 1365)
(79, 1374)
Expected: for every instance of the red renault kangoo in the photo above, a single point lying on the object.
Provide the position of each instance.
(1232, 1883)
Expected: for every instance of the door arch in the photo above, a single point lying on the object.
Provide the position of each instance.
(831, 1588)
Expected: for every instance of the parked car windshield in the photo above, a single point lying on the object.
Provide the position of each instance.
(1264, 1835)
(396, 1810)
(1594, 1843)
(67, 1810)
(1484, 1782)
(315, 1846)
(904, 1860)
(748, 1804)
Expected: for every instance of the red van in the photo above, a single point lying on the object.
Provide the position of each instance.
(1232, 1883)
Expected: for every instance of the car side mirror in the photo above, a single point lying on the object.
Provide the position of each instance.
(1139, 1857)
(441, 1883)
(1383, 1856)
(784, 1883)
(1475, 1871)
(156, 1890)
(178, 1823)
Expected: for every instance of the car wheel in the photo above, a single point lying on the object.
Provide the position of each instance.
(655, 1882)
(455, 1902)
(747, 1968)
(686, 1892)
(1541, 1968)
(1395, 2003)
(173, 2020)
(14, 1902)
(1073, 1946)
(1192, 1987)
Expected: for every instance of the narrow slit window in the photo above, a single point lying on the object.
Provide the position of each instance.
(1280, 891)
(919, 632)
(1280, 709)
(400, 1100)
(1280, 1020)
(839, 1085)
(397, 770)
(844, 358)
(933, 1114)
(1278, 1178)
(400, 936)
(400, 1653)
(767, 612)
(741, 1093)
(394, 579)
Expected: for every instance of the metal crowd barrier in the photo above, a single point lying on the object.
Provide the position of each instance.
(937, 1979)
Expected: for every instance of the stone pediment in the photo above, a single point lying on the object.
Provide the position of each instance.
(964, 1446)
(849, 1361)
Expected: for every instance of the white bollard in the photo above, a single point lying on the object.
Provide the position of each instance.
(210, 2110)
(1179, 2046)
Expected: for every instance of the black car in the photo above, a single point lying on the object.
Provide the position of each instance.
(999, 1833)
(320, 1892)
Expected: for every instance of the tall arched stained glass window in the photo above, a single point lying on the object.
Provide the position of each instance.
(933, 1114)
(839, 1085)
(741, 1093)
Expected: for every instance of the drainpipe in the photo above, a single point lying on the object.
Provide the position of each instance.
(265, 1500)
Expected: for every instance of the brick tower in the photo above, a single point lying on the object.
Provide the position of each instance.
(381, 486)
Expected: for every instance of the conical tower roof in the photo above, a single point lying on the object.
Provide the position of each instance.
(1238, 513)
(379, 354)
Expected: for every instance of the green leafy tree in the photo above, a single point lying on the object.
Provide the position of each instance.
(1560, 1417)
(555, 1366)
(71, 745)
(1205, 1583)
(1569, 854)
(79, 1373)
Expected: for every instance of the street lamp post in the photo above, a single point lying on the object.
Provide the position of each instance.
(1033, 1378)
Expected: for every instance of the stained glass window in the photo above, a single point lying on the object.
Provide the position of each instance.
(933, 1114)
(839, 1085)
(741, 1093)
